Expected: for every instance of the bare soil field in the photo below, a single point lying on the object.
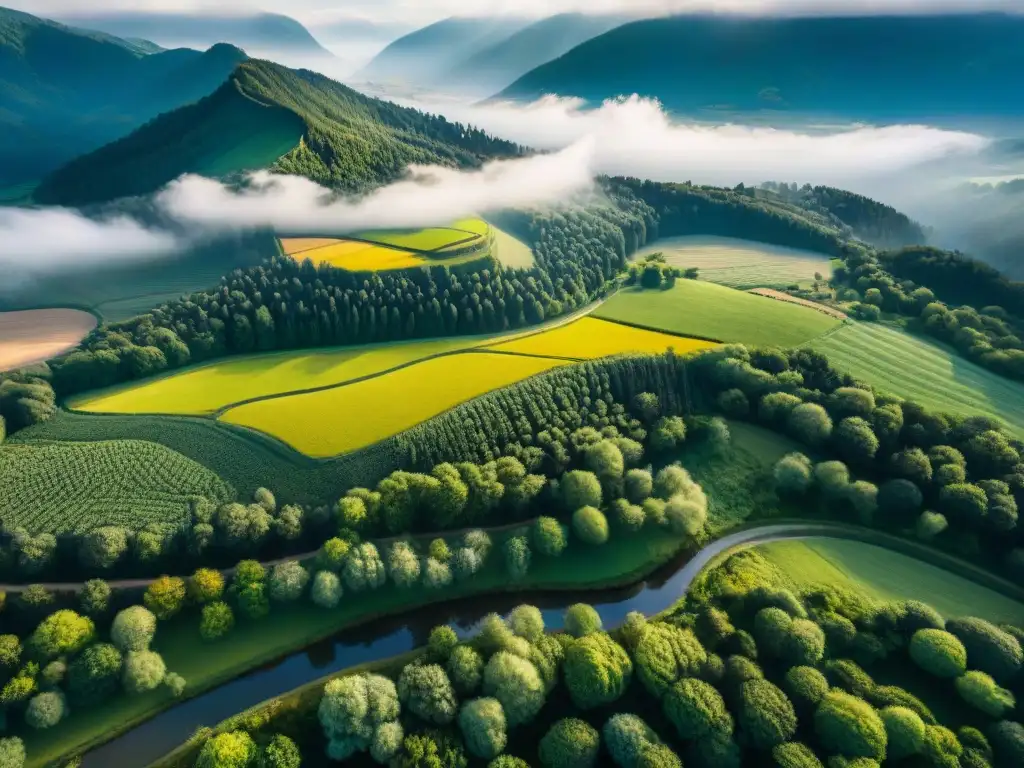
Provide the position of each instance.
(34, 335)
(780, 296)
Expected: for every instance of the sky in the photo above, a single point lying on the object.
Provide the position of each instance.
(424, 11)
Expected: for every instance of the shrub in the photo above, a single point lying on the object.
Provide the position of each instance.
(95, 597)
(60, 634)
(517, 557)
(143, 671)
(403, 565)
(175, 683)
(580, 489)
(912, 464)
(93, 675)
(253, 601)
(287, 581)
(517, 684)
(581, 620)
(482, 723)
(436, 575)
(809, 423)
(963, 501)
(848, 725)
(639, 485)
(667, 434)
(590, 525)
(441, 642)
(439, 550)
(12, 753)
(734, 403)
(234, 749)
(806, 686)
(103, 547)
(941, 747)
(793, 474)
(899, 499)
(597, 670)
(427, 692)
(697, 710)
(664, 654)
(165, 597)
(917, 615)
(465, 563)
(248, 572)
(795, 755)
(217, 620)
(981, 692)
(281, 752)
(805, 643)
(53, 675)
(332, 554)
(686, 517)
(905, 732)
(387, 740)
(507, 761)
(549, 536)
(465, 668)
(527, 622)
(363, 568)
(832, 478)
(851, 401)
(1007, 740)
(654, 511)
(326, 591)
(765, 714)
(353, 712)
(605, 460)
(569, 743)
(930, 524)
(45, 710)
(672, 480)
(626, 737)
(205, 585)
(989, 648)
(772, 628)
(629, 517)
(863, 497)
(938, 653)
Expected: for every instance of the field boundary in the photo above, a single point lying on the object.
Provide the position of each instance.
(771, 293)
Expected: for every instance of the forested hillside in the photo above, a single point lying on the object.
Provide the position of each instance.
(297, 121)
(870, 67)
(66, 91)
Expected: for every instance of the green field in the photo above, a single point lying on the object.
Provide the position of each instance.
(741, 263)
(887, 575)
(429, 239)
(697, 308)
(511, 251)
(919, 370)
(74, 487)
(622, 561)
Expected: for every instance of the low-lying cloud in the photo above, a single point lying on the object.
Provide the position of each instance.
(430, 195)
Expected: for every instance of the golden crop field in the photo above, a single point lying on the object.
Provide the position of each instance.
(218, 385)
(343, 419)
(591, 338)
(292, 246)
(352, 255)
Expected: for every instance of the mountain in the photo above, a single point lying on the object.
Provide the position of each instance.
(871, 67)
(255, 33)
(65, 91)
(266, 115)
(424, 56)
(500, 64)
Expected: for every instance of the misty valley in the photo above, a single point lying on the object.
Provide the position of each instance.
(540, 386)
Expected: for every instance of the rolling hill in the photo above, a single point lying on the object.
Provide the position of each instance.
(878, 68)
(254, 32)
(423, 56)
(500, 64)
(267, 115)
(65, 91)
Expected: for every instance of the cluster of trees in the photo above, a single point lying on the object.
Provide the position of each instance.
(654, 273)
(744, 671)
(991, 336)
(919, 468)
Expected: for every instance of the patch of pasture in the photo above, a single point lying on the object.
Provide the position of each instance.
(74, 487)
(927, 373)
(345, 418)
(428, 239)
(591, 338)
(698, 308)
(35, 335)
(887, 575)
(510, 250)
(741, 263)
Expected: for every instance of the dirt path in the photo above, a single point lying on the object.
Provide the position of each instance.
(771, 293)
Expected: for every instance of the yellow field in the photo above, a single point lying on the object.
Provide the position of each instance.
(478, 226)
(590, 338)
(296, 245)
(210, 388)
(343, 419)
(352, 255)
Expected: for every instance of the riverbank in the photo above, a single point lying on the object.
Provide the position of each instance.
(625, 560)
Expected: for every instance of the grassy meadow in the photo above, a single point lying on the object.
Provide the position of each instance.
(428, 239)
(741, 263)
(887, 575)
(341, 419)
(697, 308)
(590, 338)
(510, 251)
(920, 370)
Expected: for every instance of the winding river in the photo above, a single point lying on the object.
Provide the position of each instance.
(389, 637)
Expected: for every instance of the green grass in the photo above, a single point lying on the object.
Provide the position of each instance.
(887, 575)
(919, 370)
(74, 487)
(204, 665)
(431, 239)
(510, 250)
(697, 308)
(741, 263)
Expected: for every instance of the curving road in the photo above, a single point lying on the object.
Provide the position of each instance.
(384, 638)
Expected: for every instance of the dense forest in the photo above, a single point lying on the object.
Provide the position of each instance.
(295, 121)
